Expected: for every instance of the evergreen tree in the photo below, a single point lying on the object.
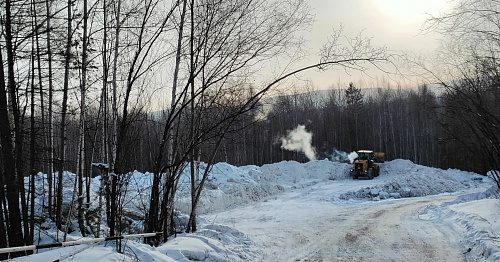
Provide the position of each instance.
(354, 102)
(354, 99)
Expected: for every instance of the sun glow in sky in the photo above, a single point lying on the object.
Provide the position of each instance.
(411, 9)
(395, 24)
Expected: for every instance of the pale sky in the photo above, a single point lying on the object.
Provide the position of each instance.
(395, 24)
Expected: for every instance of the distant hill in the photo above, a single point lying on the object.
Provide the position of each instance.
(322, 95)
(367, 92)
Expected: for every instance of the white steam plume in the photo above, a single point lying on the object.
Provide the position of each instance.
(352, 156)
(341, 156)
(299, 140)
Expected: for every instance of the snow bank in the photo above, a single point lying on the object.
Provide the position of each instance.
(210, 243)
(476, 216)
(229, 186)
(482, 227)
(403, 178)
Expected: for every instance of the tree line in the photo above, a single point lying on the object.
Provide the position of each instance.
(429, 125)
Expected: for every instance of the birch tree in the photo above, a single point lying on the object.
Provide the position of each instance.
(62, 136)
(148, 27)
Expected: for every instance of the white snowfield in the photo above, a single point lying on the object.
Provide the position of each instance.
(290, 211)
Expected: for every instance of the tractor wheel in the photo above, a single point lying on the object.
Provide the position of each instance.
(369, 173)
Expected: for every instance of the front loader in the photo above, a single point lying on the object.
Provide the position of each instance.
(366, 164)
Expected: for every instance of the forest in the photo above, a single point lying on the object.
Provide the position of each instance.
(108, 87)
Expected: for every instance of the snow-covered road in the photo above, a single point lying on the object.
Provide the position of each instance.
(338, 219)
(303, 225)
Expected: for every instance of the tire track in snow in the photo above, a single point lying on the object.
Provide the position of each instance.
(370, 231)
(388, 231)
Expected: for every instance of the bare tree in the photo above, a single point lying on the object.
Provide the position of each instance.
(50, 134)
(472, 31)
(472, 118)
(81, 140)
(136, 67)
(227, 41)
(12, 174)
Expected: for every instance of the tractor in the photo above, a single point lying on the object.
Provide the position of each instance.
(366, 164)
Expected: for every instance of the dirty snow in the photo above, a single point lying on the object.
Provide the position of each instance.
(287, 210)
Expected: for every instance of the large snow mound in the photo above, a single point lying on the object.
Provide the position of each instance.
(403, 178)
(230, 186)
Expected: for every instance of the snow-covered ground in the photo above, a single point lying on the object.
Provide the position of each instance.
(314, 211)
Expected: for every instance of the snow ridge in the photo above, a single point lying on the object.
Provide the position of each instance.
(406, 179)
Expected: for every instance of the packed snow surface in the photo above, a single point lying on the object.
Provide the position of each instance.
(290, 211)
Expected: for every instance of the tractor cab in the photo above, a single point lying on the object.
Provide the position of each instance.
(365, 155)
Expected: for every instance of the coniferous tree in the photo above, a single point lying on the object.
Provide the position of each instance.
(354, 105)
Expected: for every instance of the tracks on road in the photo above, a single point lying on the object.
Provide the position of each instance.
(389, 231)
(302, 229)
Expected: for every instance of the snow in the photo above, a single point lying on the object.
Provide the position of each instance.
(476, 208)
(291, 211)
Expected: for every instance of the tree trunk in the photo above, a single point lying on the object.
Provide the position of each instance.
(18, 133)
(114, 149)
(62, 148)
(81, 157)
(3, 237)
(30, 236)
(193, 135)
(50, 116)
(45, 155)
(166, 144)
(14, 229)
(199, 185)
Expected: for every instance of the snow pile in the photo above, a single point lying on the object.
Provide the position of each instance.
(211, 243)
(229, 186)
(406, 179)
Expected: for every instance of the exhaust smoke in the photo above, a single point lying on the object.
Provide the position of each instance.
(343, 157)
(299, 140)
